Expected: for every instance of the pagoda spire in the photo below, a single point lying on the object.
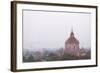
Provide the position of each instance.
(72, 33)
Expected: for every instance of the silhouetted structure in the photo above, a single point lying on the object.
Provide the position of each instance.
(72, 45)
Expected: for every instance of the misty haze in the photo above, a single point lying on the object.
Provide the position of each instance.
(54, 36)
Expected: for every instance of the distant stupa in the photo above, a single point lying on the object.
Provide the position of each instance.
(72, 45)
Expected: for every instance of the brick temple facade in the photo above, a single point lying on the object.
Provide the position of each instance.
(72, 45)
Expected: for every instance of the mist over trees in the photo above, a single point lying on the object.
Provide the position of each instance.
(50, 55)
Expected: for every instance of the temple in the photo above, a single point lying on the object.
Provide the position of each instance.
(72, 45)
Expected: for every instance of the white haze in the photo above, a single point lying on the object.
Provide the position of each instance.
(51, 29)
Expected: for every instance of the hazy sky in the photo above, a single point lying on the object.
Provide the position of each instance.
(51, 29)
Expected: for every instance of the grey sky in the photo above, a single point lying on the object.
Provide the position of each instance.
(51, 29)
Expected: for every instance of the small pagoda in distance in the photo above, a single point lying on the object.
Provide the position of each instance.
(72, 46)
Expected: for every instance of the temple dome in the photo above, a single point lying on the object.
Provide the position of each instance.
(72, 39)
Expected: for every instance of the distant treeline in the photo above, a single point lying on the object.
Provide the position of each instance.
(36, 56)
